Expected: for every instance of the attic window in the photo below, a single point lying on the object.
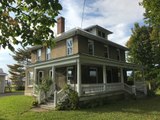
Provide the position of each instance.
(101, 34)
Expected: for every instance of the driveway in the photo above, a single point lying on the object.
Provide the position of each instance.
(11, 93)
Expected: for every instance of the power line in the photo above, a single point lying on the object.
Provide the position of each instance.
(83, 12)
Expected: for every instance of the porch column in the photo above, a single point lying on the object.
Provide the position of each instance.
(122, 75)
(53, 78)
(35, 80)
(79, 77)
(134, 76)
(104, 77)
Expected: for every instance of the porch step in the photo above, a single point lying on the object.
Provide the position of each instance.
(48, 106)
(140, 95)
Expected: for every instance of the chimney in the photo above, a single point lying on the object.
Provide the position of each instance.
(60, 25)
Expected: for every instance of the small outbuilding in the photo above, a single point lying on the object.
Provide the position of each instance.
(2, 80)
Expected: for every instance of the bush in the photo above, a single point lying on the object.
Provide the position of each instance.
(70, 102)
(20, 87)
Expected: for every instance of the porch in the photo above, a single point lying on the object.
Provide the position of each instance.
(88, 75)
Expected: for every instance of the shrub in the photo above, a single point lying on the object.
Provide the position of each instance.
(70, 102)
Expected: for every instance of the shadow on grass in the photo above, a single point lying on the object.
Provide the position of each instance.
(148, 105)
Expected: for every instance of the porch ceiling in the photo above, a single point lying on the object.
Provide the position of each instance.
(89, 59)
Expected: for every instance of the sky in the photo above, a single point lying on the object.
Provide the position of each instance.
(117, 16)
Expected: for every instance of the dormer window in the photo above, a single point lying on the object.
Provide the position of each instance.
(69, 44)
(106, 51)
(90, 47)
(118, 54)
(101, 34)
(39, 55)
(48, 53)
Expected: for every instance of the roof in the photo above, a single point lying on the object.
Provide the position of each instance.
(83, 32)
(2, 73)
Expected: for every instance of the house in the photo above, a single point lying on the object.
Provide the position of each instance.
(2, 81)
(86, 60)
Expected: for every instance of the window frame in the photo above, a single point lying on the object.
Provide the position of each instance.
(95, 69)
(40, 81)
(118, 54)
(39, 54)
(91, 43)
(69, 48)
(30, 79)
(48, 53)
(69, 81)
(106, 51)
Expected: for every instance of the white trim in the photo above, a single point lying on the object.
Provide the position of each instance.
(91, 42)
(68, 41)
(65, 60)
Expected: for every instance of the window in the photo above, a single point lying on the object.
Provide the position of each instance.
(101, 34)
(39, 55)
(70, 75)
(50, 74)
(40, 76)
(48, 53)
(118, 54)
(106, 51)
(69, 45)
(30, 78)
(93, 75)
(91, 47)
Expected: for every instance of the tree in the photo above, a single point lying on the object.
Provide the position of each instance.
(27, 22)
(17, 71)
(144, 48)
(140, 46)
(152, 11)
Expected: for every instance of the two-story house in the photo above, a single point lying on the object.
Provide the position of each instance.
(82, 58)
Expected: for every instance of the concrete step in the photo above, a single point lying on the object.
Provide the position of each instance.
(48, 106)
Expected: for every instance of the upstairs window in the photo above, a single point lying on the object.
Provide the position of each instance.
(39, 55)
(90, 47)
(48, 53)
(106, 51)
(118, 54)
(69, 44)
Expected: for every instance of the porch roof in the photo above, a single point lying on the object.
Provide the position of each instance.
(86, 59)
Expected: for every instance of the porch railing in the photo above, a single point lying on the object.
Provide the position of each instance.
(130, 89)
(141, 86)
(100, 88)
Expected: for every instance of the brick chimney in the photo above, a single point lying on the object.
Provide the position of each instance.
(60, 25)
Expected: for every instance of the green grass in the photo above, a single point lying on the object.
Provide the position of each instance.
(18, 108)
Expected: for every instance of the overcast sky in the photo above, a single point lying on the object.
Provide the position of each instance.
(117, 16)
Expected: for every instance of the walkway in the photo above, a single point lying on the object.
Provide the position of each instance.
(11, 93)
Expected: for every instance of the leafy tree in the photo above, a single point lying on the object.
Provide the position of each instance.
(152, 11)
(17, 71)
(144, 48)
(140, 46)
(27, 22)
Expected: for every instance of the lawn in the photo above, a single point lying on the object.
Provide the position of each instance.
(18, 108)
